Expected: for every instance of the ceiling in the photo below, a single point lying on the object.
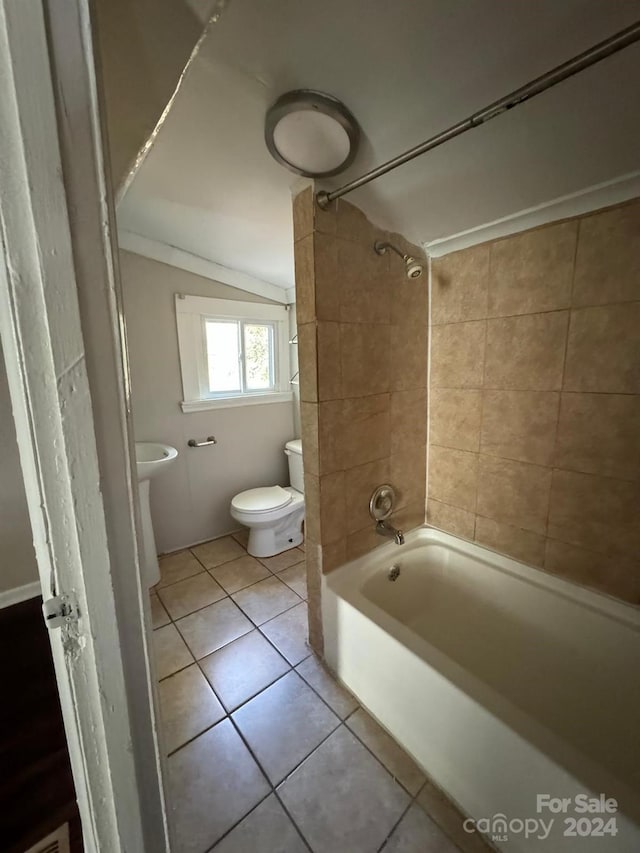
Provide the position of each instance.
(406, 70)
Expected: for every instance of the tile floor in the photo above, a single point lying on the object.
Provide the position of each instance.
(266, 751)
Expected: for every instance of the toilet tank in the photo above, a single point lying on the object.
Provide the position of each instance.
(293, 449)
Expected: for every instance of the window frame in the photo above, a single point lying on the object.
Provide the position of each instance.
(192, 312)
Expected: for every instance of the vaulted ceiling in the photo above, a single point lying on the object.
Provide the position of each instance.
(407, 70)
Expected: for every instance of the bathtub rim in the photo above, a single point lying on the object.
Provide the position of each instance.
(346, 583)
(348, 578)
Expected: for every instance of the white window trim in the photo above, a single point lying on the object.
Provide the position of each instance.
(189, 313)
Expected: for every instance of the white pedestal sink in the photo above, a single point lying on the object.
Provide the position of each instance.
(151, 460)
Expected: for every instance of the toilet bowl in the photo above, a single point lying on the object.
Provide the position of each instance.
(274, 514)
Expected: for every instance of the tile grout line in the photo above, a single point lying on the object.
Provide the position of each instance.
(229, 716)
(567, 307)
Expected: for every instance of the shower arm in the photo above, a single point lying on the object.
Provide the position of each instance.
(556, 75)
(382, 247)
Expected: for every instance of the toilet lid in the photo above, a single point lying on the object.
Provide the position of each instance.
(263, 499)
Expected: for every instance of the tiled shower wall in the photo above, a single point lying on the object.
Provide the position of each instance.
(535, 398)
(362, 332)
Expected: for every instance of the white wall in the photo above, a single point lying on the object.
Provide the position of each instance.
(190, 503)
(17, 558)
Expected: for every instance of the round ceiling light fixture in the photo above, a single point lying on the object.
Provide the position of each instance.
(311, 133)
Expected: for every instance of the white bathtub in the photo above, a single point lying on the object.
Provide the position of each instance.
(502, 681)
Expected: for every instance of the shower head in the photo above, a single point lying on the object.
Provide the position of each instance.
(414, 268)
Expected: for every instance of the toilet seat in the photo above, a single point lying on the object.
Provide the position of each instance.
(262, 499)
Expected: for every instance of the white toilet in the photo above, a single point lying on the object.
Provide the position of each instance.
(274, 514)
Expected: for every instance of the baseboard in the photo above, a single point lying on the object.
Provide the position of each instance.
(19, 594)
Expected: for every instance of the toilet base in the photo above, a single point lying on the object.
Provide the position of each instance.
(269, 541)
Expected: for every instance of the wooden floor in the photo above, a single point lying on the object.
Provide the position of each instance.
(36, 786)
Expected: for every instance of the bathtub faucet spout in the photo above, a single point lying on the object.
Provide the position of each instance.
(384, 529)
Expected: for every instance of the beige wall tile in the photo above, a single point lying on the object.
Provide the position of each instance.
(309, 413)
(526, 353)
(409, 475)
(603, 352)
(456, 415)
(303, 252)
(332, 508)
(329, 362)
(334, 555)
(453, 477)
(599, 434)
(328, 279)
(457, 355)
(615, 575)
(598, 513)
(303, 205)
(365, 433)
(532, 272)
(312, 506)
(513, 541)
(364, 295)
(353, 225)
(516, 493)
(408, 419)
(520, 425)
(325, 221)
(363, 541)
(408, 357)
(451, 518)
(307, 361)
(409, 517)
(360, 483)
(330, 436)
(313, 565)
(365, 359)
(608, 257)
(459, 285)
(409, 298)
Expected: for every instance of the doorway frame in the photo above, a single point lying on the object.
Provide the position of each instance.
(63, 337)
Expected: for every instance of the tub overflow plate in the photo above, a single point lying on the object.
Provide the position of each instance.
(381, 502)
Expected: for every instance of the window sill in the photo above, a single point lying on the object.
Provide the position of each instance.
(188, 406)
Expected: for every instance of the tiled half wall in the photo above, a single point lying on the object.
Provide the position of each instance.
(362, 332)
(535, 398)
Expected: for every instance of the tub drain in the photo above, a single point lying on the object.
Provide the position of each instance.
(394, 573)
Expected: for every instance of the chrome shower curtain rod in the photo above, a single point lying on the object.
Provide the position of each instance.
(578, 63)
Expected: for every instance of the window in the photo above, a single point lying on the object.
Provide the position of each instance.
(232, 353)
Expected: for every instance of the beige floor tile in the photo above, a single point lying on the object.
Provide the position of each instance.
(191, 594)
(383, 746)
(242, 668)
(417, 833)
(218, 551)
(241, 536)
(319, 677)
(213, 783)
(159, 615)
(213, 627)
(442, 811)
(188, 706)
(177, 567)
(236, 574)
(341, 798)
(284, 724)
(288, 633)
(284, 560)
(269, 823)
(266, 599)
(296, 578)
(171, 653)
